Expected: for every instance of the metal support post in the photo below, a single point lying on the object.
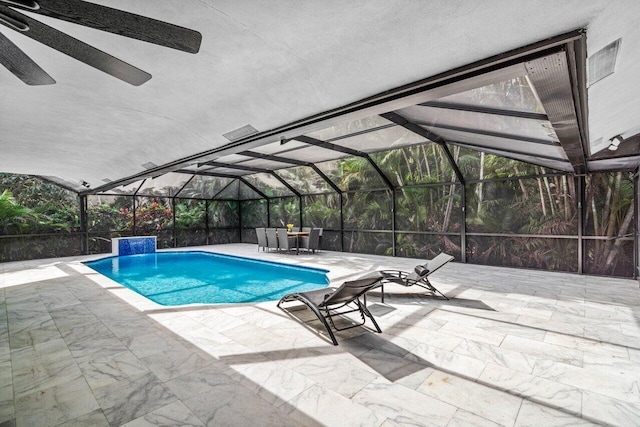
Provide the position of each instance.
(206, 220)
(268, 213)
(341, 223)
(579, 183)
(173, 208)
(134, 217)
(393, 221)
(636, 223)
(463, 225)
(84, 226)
(240, 220)
(300, 210)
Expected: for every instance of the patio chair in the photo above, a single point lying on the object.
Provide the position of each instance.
(329, 302)
(285, 242)
(261, 234)
(420, 275)
(272, 239)
(312, 241)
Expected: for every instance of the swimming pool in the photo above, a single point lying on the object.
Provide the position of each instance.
(194, 277)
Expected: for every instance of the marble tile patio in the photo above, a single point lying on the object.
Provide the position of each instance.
(511, 348)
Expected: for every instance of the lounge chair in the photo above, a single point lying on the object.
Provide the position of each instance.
(420, 275)
(328, 302)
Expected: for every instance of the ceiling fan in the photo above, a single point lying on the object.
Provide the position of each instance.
(89, 15)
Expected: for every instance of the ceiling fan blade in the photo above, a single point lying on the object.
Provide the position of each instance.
(115, 21)
(21, 65)
(77, 49)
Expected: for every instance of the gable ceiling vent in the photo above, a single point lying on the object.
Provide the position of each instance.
(603, 62)
(149, 165)
(240, 133)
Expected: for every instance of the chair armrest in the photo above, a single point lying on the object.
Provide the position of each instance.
(411, 282)
(400, 274)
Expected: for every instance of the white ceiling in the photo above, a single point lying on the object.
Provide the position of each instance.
(271, 63)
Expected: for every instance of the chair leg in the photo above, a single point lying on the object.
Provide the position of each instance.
(443, 295)
(324, 322)
(434, 290)
(318, 315)
(366, 311)
(427, 285)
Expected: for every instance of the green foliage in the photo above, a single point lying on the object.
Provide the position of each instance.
(321, 211)
(224, 214)
(304, 179)
(15, 218)
(254, 213)
(284, 211)
(109, 218)
(34, 192)
(544, 205)
(31, 205)
(512, 198)
(609, 213)
(154, 215)
(190, 214)
(420, 164)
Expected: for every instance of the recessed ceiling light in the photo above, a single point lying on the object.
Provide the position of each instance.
(240, 133)
(149, 165)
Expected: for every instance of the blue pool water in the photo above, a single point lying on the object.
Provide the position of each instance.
(178, 278)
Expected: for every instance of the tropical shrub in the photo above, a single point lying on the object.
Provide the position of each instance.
(15, 218)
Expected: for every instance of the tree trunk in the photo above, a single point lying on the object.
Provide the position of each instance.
(596, 223)
(615, 250)
(525, 196)
(565, 198)
(548, 187)
(402, 188)
(606, 209)
(611, 224)
(479, 188)
(542, 203)
(426, 162)
(408, 163)
(452, 189)
(435, 156)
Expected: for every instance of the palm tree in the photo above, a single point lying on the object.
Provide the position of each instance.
(609, 214)
(15, 218)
